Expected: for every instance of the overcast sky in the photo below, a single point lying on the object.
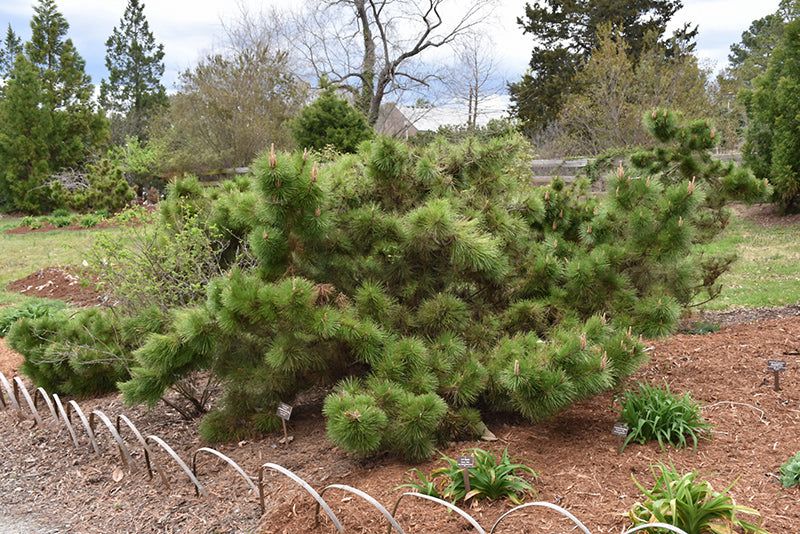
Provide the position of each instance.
(188, 28)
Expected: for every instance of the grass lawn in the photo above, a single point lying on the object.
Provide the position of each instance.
(767, 271)
(25, 254)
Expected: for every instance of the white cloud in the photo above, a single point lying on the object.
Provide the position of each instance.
(188, 28)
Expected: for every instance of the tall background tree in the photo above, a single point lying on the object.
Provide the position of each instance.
(617, 90)
(11, 47)
(473, 78)
(135, 63)
(749, 58)
(565, 34)
(372, 48)
(773, 139)
(24, 142)
(61, 89)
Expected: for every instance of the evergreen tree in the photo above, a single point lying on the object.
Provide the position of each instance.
(25, 140)
(772, 148)
(133, 92)
(565, 33)
(63, 91)
(66, 88)
(749, 58)
(436, 281)
(12, 47)
(330, 120)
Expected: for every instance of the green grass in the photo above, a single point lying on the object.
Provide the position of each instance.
(767, 271)
(25, 254)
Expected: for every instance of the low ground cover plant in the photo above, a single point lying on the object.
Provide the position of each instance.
(790, 472)
(686, 501)
(654, 413)
(62, 218)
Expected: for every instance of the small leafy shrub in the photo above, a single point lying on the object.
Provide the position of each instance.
(60, 212)
(89, 221)
(790, 472)
(61, 222)
(489, 479)
(31, 310)
(691, 504)
(654, 413)
(28, 220)
(102, 213)
(131, 215)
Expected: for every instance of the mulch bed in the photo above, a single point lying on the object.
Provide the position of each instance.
(42, 475)
(46, 481)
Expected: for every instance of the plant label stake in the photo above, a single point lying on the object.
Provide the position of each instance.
(285, 412)
(776, 366)
(464, 463)
(620, 430)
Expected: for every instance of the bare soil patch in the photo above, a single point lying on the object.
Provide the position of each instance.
(70, 284)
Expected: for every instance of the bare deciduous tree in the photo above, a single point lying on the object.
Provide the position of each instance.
(473, 77)
(371, 48)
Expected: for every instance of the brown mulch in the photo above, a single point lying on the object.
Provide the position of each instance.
(70, 284)
(46, 480)
(43, 475)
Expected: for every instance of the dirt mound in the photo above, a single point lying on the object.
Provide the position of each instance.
(69, 284)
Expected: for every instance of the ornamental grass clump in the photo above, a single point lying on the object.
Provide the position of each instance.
(790, 472)
(691, 504)
(655, 413)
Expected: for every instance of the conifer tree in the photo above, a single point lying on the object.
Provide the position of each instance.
(772, 147)
(24, 142)
(135, 63)
(330, 120)
(11, 48)
(426, 283)
(63, 91)
(67, 89)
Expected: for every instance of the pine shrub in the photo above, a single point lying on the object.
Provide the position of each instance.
(81, 354)
(441, 280)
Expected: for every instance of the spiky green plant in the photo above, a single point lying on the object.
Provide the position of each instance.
(488, 479)
(424, 486)
(691, 504)
(655, 413)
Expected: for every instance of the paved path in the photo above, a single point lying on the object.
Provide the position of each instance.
(25, 525)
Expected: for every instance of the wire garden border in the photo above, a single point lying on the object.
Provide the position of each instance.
(62, 416)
